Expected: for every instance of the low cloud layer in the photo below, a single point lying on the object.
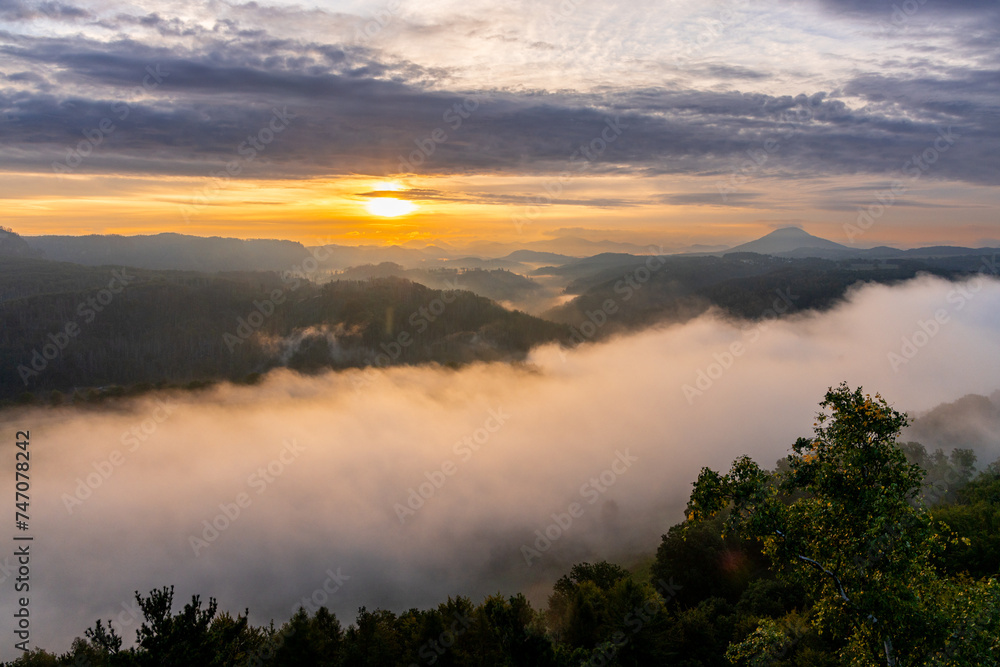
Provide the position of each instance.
(321, 468)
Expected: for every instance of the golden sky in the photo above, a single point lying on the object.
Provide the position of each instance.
(712, 123)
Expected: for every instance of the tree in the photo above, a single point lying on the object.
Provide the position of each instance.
(976, 516)
(578, 611)
(35, 658)
(600, 615)
(945, 475)
(508, 632)
(842, 511)
(306, 640)
(373, 640)
(182, 639)
(104, 639)
(709, 565)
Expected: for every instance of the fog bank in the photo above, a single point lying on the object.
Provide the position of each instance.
(412, 484)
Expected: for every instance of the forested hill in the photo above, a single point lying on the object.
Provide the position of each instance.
(12, 245)
(171, 251)
(632, 292)
(65, 326)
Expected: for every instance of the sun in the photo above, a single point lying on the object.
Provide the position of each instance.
(385, 205)
(389, 207)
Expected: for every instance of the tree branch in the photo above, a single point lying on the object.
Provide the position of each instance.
(890, 659)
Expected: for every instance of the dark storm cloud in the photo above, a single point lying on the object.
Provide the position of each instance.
(353, 110)
(960, 93)
(972, 25)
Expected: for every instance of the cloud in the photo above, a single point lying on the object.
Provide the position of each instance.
(739, 199)
(887, 6)
(365, 439)
(19, 10)
(428, 194)
(968, 25)
(855, 204)
(363, 109)
(733, 72)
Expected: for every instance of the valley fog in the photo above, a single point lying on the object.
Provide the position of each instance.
(400, 487)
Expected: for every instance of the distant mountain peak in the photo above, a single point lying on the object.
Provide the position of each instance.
(786, 239)
(789, 232)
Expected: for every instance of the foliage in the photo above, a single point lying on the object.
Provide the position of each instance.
(842, 515)
(709, 563)
(976, 517)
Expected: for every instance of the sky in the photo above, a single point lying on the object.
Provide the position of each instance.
(396, 121)
(147, 494)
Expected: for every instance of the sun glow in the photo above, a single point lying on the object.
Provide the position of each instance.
(389, 207)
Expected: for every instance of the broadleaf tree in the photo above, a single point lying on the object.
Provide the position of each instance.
(841, 513)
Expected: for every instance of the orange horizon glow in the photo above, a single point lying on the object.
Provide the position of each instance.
(455, 210)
